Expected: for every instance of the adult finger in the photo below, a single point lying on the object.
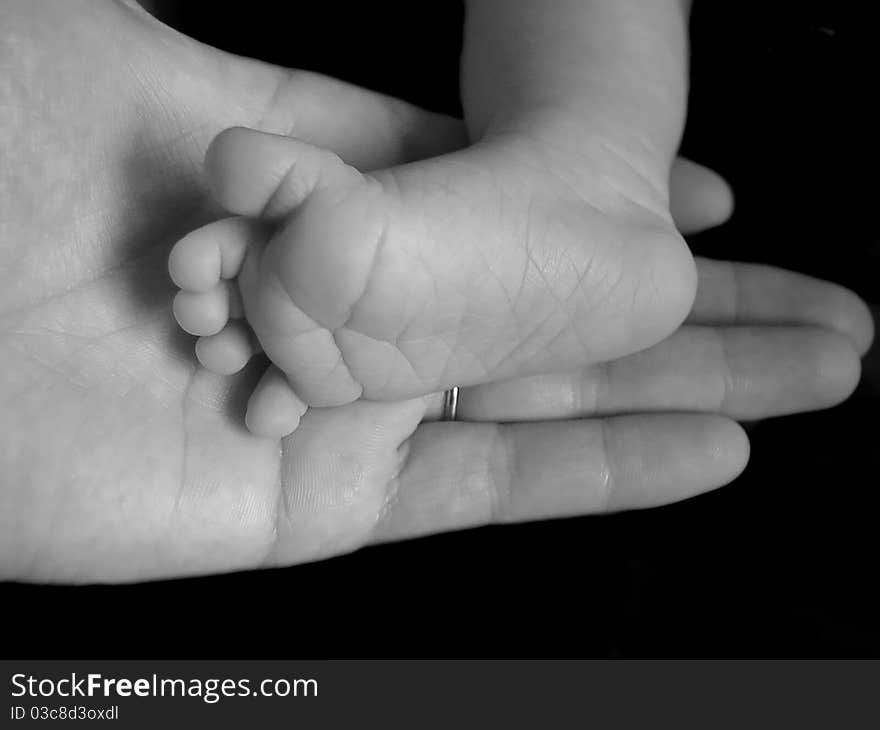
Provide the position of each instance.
(465, 475)
(699, 198)
(740, 372)
(731, 293)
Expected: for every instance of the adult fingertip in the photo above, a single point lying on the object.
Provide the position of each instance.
(854, 319)
(843, 311)
(720, 452)
(721, 204)
(700, 198)
(666, 458)
(730, 451)
(836, 369)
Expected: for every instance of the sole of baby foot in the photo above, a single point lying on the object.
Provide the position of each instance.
(432, 275)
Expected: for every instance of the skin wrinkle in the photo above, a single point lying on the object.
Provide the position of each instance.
(284, 81)
(460, 327)
(388, 374)
(656, 190)
(285, 185)
(272, 553)
(735, 290)
(184, 450)
(602, 289)
(494, 275)
(92, 342)
(379, 247)
(524, 342)
(51, 366)
(385, 515)
(515, 301)
(76, 286)
(174, 147)
(648, 287)
(89, 339)
(56, 366)
(401, 340)
(40, 548)
(588, 161)
(57, 370)
(340, 360)
(564, 331)
(435, 281)
(450, 349)
(639, 288)
(155, 98)
(484, 366)
(442, 333)
(563, 307)
(608, 483)
(279, 511)
(394, 498)
(547, 284)
(500, 475)
(602, 390)
(726, 377)
(583, 275)
(518, 296)
(380, 243)
(639, 204)
(285, 510)
(413, 370)
(391, 498)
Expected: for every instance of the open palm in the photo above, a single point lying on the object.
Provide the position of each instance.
(120, 458)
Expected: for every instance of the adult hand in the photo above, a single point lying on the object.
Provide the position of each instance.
(121, 460)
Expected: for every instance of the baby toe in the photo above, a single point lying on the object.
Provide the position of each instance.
(228, 351)
(205, 313)
(211, 253)
(194, 262)
(274, 409)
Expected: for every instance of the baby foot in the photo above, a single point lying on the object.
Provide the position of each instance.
(485, 264)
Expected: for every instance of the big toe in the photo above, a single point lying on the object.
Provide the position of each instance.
(199, 260)
(266, 175)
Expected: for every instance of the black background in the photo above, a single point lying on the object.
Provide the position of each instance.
(783, 562)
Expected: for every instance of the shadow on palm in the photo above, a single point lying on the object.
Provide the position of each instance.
(119, 451)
